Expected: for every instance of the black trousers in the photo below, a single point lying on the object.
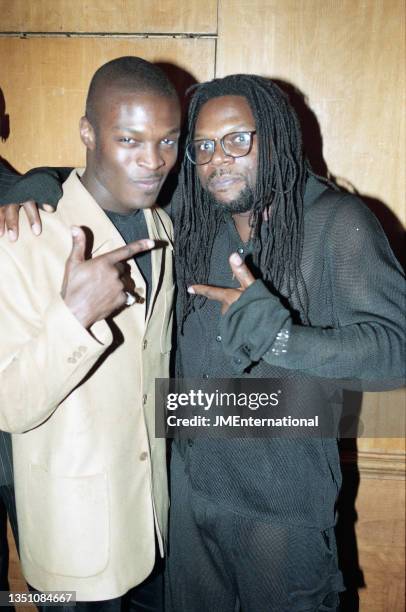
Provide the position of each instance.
(7, 509)
(223, 561)
(145, 597)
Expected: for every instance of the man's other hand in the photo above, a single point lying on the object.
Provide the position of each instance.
(9, 218)
(95, 288)
(227, 296)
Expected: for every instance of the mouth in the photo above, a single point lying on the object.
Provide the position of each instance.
(224, 182)
(147, 184)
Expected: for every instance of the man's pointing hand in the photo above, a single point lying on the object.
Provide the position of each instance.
(94, 288)
(227, 296)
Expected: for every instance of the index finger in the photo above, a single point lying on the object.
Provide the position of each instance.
(219, 294)
(129, 250)
(241, 271)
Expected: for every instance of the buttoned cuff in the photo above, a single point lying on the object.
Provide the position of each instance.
(77, 344)
(48, 366)
(250, 326)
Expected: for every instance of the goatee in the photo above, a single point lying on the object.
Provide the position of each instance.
(242, 204)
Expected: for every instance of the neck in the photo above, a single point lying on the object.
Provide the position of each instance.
(101, 195)
(242, 225)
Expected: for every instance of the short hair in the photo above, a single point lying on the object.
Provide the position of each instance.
(129, 73)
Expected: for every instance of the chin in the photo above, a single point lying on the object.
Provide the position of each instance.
(233, 207)
(224, 200)
(234, 203)
(146, 201)
(224, 197)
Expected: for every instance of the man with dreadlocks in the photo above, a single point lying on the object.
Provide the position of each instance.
(252, 520)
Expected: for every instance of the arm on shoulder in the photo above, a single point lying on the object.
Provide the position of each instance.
(38, 187)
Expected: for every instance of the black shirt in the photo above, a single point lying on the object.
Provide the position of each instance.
(134, 227)
(356, 292)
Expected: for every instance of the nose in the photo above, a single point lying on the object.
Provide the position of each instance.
(150, 157)
(219, 157)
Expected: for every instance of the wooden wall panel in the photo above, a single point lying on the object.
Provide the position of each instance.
(45, 82)
(384, 415)
(380, 531)
(134, 16)
(347, 57)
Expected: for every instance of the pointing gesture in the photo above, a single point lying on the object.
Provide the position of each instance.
(227, 296)
(94, 288)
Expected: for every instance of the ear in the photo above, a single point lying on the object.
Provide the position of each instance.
(87, 133)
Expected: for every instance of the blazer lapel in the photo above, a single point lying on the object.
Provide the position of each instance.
(156, 231)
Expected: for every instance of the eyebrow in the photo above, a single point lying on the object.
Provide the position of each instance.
(174, 130)
(238, 128)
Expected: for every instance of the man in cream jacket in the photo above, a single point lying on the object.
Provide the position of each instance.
(84, 333)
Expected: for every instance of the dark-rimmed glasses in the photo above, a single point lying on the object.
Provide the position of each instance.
(235, 144)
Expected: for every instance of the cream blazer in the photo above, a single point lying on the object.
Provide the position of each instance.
(90, 476)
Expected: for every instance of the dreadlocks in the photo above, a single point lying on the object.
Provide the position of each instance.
(282, 172)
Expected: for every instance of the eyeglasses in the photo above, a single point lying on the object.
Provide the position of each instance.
(235, 144)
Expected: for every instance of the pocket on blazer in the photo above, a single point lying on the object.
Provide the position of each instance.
(68, 523)
(166, 329)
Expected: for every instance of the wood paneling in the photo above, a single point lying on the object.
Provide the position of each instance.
(371, 538)
(347, 57)
(45, 82)
(133, 16)
(383, 415)
(380, 531)
(382, 465)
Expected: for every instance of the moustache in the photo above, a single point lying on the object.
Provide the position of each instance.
(220, 173)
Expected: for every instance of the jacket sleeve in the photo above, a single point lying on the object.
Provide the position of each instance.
(43, 185)
(365, 287)
(44, 351)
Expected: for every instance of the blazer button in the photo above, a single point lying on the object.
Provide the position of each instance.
(145, 344)
(144, 456)
(144, 399)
